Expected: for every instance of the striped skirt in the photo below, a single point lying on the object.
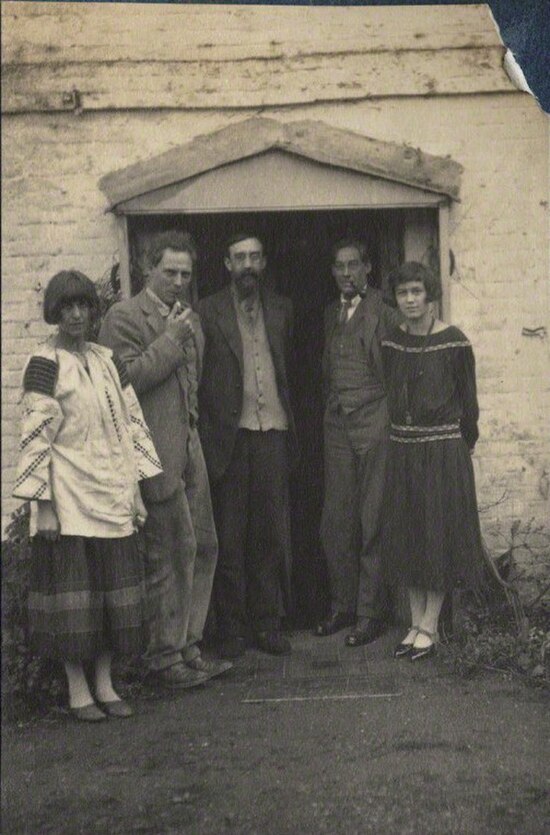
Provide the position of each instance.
(86, 596)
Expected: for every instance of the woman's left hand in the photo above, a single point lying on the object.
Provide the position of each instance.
(47, 522)
(140, 511)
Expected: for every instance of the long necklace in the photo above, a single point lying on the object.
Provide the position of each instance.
(418, 372)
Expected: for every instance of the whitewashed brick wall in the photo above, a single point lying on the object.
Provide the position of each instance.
(54, 218)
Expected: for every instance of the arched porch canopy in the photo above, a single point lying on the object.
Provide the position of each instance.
(296, 161)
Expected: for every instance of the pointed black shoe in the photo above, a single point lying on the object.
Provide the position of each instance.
(424, 652)
(402, 649)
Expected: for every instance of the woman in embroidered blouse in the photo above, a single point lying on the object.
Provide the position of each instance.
(432, 539)
(84, 448)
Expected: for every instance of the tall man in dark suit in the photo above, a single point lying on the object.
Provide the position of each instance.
(248, 437)
(159, 336)
(356, 437)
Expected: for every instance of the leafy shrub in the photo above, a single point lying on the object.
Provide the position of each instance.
(487, 637)
(31, 684)
(28, 682)
(505, 624)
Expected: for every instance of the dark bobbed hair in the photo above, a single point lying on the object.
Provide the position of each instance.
(65, 287)
(172, 239)
(414, 271)
(242, 235)
(356, 243)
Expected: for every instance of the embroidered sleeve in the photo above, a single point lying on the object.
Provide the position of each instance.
(42, 418)
(147, 460)
(40, 376)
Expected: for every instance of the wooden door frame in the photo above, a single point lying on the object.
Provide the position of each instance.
(443, 214)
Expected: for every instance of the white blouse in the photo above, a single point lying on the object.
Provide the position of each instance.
(84, 442)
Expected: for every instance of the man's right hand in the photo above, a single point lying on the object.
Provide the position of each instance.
(178, 324)
(47, 523)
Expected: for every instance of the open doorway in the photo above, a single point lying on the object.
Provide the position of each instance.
(298, 247)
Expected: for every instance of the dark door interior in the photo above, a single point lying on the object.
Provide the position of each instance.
(298, 247)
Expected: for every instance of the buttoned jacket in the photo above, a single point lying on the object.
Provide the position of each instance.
(377, 319)
(221, 387)
(135, 329)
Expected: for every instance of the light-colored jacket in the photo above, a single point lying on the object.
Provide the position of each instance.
(136, 331)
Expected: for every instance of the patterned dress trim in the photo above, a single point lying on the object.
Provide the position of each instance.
(418, 349)
(422, 434)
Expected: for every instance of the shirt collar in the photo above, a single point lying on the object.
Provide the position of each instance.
(163, 309)
(353, 302)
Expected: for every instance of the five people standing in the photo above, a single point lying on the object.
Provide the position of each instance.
(224, 374)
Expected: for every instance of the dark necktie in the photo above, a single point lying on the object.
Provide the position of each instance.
(345, 307)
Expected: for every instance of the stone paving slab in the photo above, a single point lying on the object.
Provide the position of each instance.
(317, 668)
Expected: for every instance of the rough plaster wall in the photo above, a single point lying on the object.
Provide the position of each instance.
(54, 218)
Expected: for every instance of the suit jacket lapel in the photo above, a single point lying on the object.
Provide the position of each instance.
(368, 311)
(332, 320)
(227, 322)
(158, 325)
(273, 326)
(152, 315)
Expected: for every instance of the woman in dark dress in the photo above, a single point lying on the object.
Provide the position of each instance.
(432, 536)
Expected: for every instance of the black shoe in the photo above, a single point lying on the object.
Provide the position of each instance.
(333, 624)
(273, 643)
(366, 633)
(232, 647)
(424, 652)
(402, 650)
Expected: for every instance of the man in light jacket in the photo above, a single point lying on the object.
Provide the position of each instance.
(159, 337)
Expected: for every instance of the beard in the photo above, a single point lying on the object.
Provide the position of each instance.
(247, 283)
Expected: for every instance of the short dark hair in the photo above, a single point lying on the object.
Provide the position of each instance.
(65, 287)
(414, 271)
(172, 239)
(242, 235)
(356, 243)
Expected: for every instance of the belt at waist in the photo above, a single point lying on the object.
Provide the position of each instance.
(422, 434)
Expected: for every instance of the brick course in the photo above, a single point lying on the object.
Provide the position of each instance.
(54, 218)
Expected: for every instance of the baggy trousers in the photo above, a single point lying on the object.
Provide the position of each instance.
(181, 552)
(251, 505)
(351, 520)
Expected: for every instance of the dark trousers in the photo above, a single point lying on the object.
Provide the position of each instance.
(251, 509)
(351, 520)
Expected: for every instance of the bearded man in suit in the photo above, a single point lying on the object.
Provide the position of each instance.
(248, 437)
(159, 336)
(356, 436)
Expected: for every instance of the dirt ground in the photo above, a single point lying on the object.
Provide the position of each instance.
(331, 740)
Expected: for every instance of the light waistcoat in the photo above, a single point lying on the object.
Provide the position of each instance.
(262, 408)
